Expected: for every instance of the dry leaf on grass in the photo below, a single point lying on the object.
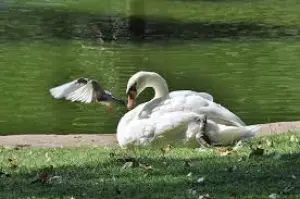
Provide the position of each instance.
(205, 196)
(273, 196)
(270, 143)
(225, 151)
(231, 168)
(256, 152)
(287, 189)
(55, 179)
(148, 169)
(293, 177)
(166, 150)
(200, 180)
(4, 174)
(127, 165)
(13, 163)
(187, 163)
(293, 138)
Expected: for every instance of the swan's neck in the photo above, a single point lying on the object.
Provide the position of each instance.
(160, 87)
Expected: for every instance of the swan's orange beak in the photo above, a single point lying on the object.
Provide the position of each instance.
(130, 100)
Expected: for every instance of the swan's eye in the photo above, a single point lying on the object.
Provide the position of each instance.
(132, 91)
(133, 87)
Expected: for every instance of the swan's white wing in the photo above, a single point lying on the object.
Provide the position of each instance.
(193, 103)
(186, 93)
(206, 96)
(83, 94)
(168, 128)
(64, 90)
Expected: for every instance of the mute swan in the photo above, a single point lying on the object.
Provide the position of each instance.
(85, 90)
(171, 117)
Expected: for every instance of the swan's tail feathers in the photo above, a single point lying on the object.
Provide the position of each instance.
(231, 134)
(250, 131)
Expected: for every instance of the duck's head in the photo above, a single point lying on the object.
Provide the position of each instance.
(137, 83)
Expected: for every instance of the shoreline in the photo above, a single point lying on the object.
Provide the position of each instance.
(108, 140)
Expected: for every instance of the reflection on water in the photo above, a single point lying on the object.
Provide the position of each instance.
(42, 48)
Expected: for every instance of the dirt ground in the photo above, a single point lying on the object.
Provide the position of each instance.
(102, 140)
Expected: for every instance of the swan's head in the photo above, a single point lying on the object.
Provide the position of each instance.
(138, 82)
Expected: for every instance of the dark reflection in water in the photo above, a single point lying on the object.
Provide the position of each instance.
(20, 23)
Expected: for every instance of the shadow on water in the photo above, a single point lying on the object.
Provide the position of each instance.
(35, 23)
(255, 178)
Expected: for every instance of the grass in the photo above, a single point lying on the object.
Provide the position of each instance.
(93, 173)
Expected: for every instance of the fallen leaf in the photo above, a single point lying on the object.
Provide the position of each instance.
(287, 190)
(273, 196)
(55, 179)
(148, 169)
(205, 196)
(256, 152)
(241, 159)
(41, 177)
(232, 168)
(293, 176)
(13, 163)
(47, 157)
(2, 173)
(225, 151)
(192, 192)
(201, 179)
(293, 138)
(277, 156)
(187, 163)
(112, 155)
(238, 145)
(166, 150)
(270, 143)
(127, 165)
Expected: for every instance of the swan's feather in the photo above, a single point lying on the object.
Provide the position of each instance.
(227, 135)
(190, 102)
(169, 128)
(179, 129)
(191, 93)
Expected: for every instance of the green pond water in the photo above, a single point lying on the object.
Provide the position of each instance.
(258, 79)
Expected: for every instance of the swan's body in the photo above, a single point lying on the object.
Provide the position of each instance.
(171, 116)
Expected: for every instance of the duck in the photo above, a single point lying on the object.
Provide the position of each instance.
(85, 90)
(182, 117)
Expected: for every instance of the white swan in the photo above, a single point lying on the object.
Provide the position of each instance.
(185, 117)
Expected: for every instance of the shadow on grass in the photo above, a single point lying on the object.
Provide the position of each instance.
(253, 178)
(40, 23)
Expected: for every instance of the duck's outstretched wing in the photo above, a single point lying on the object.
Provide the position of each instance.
(88, 93)
(62, 91)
